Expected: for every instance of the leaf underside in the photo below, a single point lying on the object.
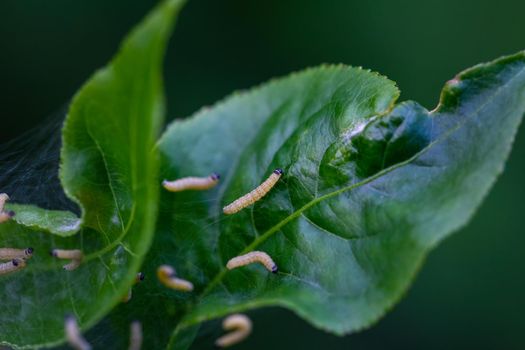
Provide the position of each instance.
(57, 222)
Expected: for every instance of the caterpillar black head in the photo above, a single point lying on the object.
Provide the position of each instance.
(278, 171)
(215, 176)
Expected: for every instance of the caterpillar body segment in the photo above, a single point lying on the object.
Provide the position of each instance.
(128, 296)
(253, 196)
(139, 278)
(5, 215)
(75, 255)
(167, 276)
(12, 266)
(253, 257)
(73, 265)
(73, 335)
(192, 183)
(165, 271)
(135, 338)
(241, 327)
(179, 284)
(12, 253)
(3, 199)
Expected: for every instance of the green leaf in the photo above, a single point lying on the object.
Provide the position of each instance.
(109, 167)
(57, 222)
(182, 338)
(363, 199)
(294, 110)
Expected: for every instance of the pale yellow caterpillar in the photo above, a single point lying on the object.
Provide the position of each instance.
(166, 274)
(253, 196)
(3, 199)
(138, 278)
(5, 215)
(11, 253)
(75, 255)
(135, 338)
(250, 258)
(12, 266)
(192, 183)
(73, 336)
(241, 326)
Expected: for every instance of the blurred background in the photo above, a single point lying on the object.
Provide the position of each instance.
(470, 293)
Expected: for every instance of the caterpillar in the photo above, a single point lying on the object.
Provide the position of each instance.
(241, 326)
(192, 183)
(135, 338)
(3, 198)
(5, 215)
(140, 277)
(250, 258)
(74, 338)
(12, 266)
(11, 253)
(166, 274)
(75, 255)
(253, 196)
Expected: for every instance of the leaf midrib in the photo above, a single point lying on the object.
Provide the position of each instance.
(218, 278)
(125, 228)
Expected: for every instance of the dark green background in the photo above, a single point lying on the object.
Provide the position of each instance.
(471, 291)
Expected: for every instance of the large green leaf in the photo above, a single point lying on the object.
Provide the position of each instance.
(363, 199)
(215, 140)
(109, 167)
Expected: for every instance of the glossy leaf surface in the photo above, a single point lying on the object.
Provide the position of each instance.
(363, 199)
